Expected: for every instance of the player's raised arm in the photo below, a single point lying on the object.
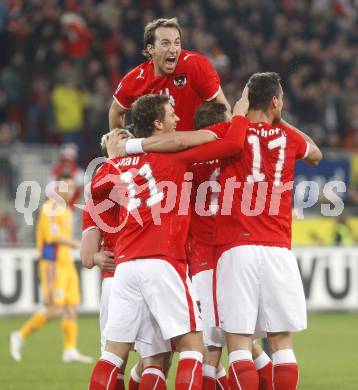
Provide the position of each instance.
(116, 116)
(182, 140)
(229, 146)
(314, 155)
(221, 98)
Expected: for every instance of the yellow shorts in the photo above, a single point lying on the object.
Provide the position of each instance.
(65, 288)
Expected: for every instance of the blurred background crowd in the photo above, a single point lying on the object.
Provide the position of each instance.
(62, 59)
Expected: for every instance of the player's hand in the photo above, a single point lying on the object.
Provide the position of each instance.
(113, 142)
(242, 105)
(105, 261)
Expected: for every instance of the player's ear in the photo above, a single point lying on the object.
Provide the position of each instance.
(274, 102)
(150, 49)
(158, 125)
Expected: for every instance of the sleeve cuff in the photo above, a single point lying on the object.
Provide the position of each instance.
(120, 104)
(213, 96)
(213, 133)
(307, 150)
(88, 229)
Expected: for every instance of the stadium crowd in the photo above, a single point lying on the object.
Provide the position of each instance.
(57, 87)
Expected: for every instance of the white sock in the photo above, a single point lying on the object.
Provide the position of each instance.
(209, 371)
(194, 355)
(262, 361)
(284, 356)
(221, 373)
(240, 354)
(112, 358)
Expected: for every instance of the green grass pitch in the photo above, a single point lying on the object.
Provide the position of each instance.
(327, 354)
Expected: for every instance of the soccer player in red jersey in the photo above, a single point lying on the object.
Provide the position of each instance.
(99, 236)
(257, 277)
(202, 256)
(186, 77)
(151, 272)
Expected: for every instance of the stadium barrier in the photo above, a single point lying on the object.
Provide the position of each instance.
(329, 274)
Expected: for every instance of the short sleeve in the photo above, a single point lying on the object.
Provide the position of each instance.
(302, 146)
(87, 221)
(123, 94)
(204, 77)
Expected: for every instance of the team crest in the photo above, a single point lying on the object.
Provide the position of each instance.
(180, 81)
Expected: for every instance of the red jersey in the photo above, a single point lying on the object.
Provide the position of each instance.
(102, 214)
(193, 82)
(205, 205)
(260, 210)
(154, 215)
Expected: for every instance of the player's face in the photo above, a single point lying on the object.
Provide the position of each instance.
(166, 49)
(170, 119)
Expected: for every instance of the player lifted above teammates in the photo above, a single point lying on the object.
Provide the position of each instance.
(186, 77)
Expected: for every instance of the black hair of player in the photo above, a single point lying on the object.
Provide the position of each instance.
(64, 176)
(208, 114)
(150, 28)
(262, 88)
(146, 110)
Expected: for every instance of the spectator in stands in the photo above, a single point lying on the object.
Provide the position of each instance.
(69, 104)
(40, 116)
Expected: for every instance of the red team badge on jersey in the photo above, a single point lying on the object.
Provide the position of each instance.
(180, 81)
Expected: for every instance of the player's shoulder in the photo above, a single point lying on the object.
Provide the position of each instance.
(189, 58)
(140, 72)
(290, 134)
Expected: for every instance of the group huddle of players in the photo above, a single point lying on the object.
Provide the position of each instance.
(190, 222)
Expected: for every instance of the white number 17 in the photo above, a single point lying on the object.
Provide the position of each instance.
(257, 175)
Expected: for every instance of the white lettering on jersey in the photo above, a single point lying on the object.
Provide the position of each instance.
(127, 161)
(140, 76)
(167, 93)
(267, 133)
(187, 56)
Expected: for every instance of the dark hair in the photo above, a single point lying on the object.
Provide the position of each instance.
(262, 88)
(64, 176)
(208, 114)
(150, 28)
(146, 110)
